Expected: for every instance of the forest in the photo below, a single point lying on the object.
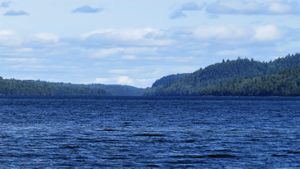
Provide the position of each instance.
(241, 77)
(13, 87)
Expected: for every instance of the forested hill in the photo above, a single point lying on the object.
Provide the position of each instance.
(119, 90)
(242, 77)
(12, 87)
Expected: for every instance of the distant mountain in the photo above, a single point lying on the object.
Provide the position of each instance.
(237, 77)
(13, 87)
(119, 90)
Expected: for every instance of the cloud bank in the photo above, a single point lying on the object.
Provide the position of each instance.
(240, 7)
(185, 8)
(127, 56)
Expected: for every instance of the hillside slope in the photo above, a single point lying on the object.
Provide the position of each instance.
(13, 87)
(119, 90)
(209, 81)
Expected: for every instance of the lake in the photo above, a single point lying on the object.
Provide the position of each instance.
(137, 132)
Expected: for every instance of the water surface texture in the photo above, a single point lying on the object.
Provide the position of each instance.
(148, 133)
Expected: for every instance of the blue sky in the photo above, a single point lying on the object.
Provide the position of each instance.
(135, 42)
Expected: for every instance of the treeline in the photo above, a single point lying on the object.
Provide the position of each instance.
(285, 83)
(241, 77)
(119, 90)
(13, 87)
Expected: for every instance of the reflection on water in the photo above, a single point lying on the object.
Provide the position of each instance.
(150, 133)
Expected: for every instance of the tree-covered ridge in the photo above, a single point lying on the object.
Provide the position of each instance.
(119, 90)
(12, 87)
(285, 83)
(230, 76)
(168, 80)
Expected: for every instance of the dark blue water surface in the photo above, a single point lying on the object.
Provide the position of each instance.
(227, 132)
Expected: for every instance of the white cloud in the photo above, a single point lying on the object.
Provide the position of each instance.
(138, 36)
(232, 53)
(4, 33)
(104, 53)
(46, 37)
(266, 33)
(21, 60)
(232, 6)
(120, 71)
(127, 71)
(121, 80)
(254, 7)
(220, 32)
(184, 8)
(127, 34)
(24, 50)
(9, 38)
(236, 35)
(103, 80)
(125, 53)
(21, 63)
(279, 8)
(13, 38)
(125, 80)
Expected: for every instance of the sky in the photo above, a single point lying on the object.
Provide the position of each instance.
(135, 42)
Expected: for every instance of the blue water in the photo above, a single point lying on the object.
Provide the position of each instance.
(207, 132)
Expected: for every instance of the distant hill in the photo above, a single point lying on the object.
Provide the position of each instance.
(13, 87)
(284, 83)
(237, 77)
(119, 90)
(241, 77)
